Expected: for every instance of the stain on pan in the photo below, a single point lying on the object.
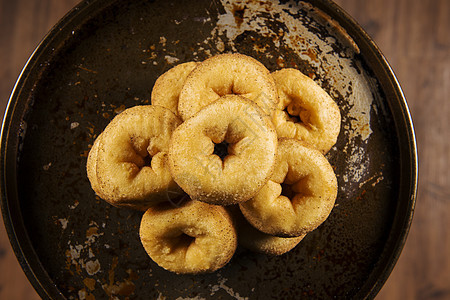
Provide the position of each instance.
(105, 56)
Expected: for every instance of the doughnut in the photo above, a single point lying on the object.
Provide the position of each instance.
(193, 238)
(166, 90)
(131, 166)
(305, 111)
(91, 167)
(252, 239)
(225, 153)
(298, 197)
(227, 74)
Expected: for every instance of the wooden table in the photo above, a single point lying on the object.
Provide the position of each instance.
(414, 35)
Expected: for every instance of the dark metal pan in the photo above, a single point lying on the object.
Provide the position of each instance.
(104, 56)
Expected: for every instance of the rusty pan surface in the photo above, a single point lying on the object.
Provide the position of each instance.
(105, 56)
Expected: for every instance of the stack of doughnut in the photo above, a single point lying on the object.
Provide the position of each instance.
(227, 153)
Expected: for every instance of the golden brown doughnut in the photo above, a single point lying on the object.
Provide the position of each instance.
(251, 238)
(131, 165)
(167, 88)
(298, 197)
(91, 167)
(227, 74)
(193, 238)
(251, 146)
(305, 111)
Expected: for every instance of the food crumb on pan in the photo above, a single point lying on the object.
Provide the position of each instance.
(63, 223)
(170, 59)
(222, 285)
(92, 267)
(74, 125)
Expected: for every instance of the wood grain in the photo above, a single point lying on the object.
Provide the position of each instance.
(23, 24)
(414, 35)
(415, 38)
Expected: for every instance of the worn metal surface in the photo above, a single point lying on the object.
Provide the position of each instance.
(105, 56)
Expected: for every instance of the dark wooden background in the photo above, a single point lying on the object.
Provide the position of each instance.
(414, 35)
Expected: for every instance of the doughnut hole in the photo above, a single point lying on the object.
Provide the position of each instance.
(293, 113)
(145, 154)
(226, 146)
(147, 161)
(287, 191)
(185, 240)
(143, 158)
(180, 241)
(221, 150)
(299, 116)
(298, 197)
(180, 246)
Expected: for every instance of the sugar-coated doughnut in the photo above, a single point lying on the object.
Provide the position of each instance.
(298, 197)
(91, 167)
(227, 74)
(226, 154)
(131, 165)
(305, 111)
(250, 143)
(193, 238)
(167, 88)
(251, 238)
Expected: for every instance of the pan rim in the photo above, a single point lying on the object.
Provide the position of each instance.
(409, 158)
(17, 232)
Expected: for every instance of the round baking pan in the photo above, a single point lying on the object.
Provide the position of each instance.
(105, 56)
